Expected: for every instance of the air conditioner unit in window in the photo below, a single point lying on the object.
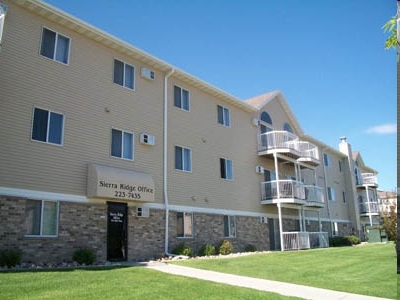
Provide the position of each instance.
(147, 74)
(263, 220)
(147, 139)
(256, 122)
(143, 212)
(259, 170)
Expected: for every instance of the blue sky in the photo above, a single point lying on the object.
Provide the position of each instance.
(327, 57)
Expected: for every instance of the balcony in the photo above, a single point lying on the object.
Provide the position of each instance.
(289, 145)
(282, 191)
(304, 240)
(369, 208)
(314, 196)
(367, 179)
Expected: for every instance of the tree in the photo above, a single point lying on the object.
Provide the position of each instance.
(390, 223)
(391, 28)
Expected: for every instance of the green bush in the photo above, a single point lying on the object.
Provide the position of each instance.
(10, 258)
(354, 240)
(250, 248)
(183, 249)
(207, 250)
(84, 256)
(339, 241)
(225, 248)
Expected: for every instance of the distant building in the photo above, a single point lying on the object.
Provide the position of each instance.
(104, 146)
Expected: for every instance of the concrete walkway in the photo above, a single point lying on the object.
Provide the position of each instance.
(286, 289)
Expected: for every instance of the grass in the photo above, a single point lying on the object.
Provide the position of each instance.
(366, 269)
(117, 283)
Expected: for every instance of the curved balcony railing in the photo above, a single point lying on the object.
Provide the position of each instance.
(286, 142)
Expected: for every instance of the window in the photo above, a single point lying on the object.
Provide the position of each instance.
(223, 115)
(340, 166)
(41, 218)
(183, 159)
(230, 226)
(344, 196)
(181, 98)
(47, 126)
(3, 12)
(185, 224)
(55, 46)
(124, 74)
(265, 117)
(121, 144)
(226, 168)
(327, 160)
(287, 127)
(331, 194)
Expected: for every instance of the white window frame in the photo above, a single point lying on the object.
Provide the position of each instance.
(54, 58)
(231, 221)
(184, 224)
(331, 194)
(226, 116)
(327, 160)
(133, 88)
(226, 165)
(122, 144)
(41, 219)
(184, 162)
(48, 126)
(181, 92)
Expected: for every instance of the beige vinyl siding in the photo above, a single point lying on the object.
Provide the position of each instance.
(81, 91)
(209, 141)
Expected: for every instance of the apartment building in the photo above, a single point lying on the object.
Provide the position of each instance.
(104, 146)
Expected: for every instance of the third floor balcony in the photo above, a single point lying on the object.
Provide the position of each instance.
(367, 179)
(289, 145)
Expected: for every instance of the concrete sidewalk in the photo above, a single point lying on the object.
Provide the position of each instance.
(286, 289)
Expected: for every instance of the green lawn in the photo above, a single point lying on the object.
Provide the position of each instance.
(120, 283)
(366, 269)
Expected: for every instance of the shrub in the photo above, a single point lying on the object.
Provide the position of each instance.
(354, 240)
(183, 249)
(10, 258)
(207, 250)
(84, 256)
(225, 247)
(250, 248)
(339, 241)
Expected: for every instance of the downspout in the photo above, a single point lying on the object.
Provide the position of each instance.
(326, 191)
(165, 163)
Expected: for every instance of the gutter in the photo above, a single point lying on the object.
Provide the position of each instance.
(165, 161)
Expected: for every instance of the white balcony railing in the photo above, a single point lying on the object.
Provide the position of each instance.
(368, 207)
(304, 240)
(282, 189)
(369, 179)
(287, 142)
(314, 195)
(308, 150)
(278, 140)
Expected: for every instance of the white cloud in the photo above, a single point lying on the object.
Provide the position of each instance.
(383, 129)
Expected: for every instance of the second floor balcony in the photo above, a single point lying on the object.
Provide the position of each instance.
(369, 208)
(288, 144)
(291, 191)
